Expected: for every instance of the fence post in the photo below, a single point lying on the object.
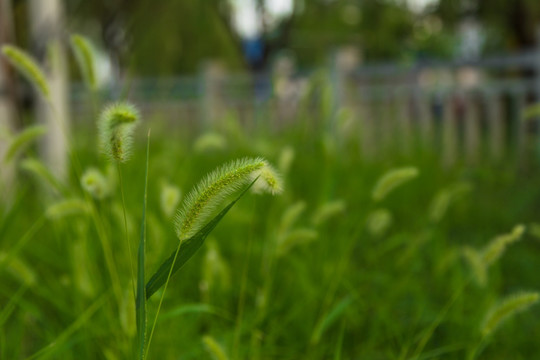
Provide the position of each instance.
(449, 132)
(403, 117)
(283, 90)
(495, 125)
(46, 28)
(519, 126)
(344, 63)
(211, 93)
(368, 133)
(472, 129)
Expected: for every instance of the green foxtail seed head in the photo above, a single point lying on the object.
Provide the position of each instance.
(210, 141)
(290, 216)
(66, 207)
(269, 181)
(84, 54)
(478, 268)
(443, 200)
(208, 194)
(116, 125)
(327, 211)
(214, 348)
(496, 247)
(18, 268)
(286, 158)
(507, 308)
(22, 140)
(95, 183)
(379, 221)
(28, 67)
(294, 238)
(170, 197)
(392, 180)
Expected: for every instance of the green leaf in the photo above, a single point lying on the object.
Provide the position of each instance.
(23, 139)
(330, 318)
(187, 249)
(140, 302)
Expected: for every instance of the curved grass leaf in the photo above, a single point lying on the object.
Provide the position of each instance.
(197, 308)
(330, 318)
(23, 139)
(188, 248)
(43, 175)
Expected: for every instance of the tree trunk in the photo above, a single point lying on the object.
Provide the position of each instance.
(46, 19)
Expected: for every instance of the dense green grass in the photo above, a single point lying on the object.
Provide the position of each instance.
(270, 283)
(342, 265)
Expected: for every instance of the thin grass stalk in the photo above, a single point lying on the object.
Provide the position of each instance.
(440, 317)
(126, 232)
(25, 238)
(141, 285)
(107, 251)
(81, 320)
(242, 296)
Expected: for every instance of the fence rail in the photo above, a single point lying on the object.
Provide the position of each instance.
(460, 107)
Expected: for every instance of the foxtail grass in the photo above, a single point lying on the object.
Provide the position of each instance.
(169, 199)
(506, 309)
(84, 54)
(213, 348)
(208, 194)
(327, 211)
(391, 180)
(29, 68)
(116, 125)
(95, 183)
(67, 207)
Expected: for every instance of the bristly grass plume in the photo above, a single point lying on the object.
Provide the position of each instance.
(269, 181)
(392, 180)
(28, 67)
(480, 260)
(95, 183)
(84, 55)
(116, 125)
(507, 308)
(169, 199)
(494, 250)
(208, 194)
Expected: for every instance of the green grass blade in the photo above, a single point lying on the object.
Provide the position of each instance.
(23, 139)
(330, 318)
(61, 339)
(197, 308)
(140, 302)
(189, 248)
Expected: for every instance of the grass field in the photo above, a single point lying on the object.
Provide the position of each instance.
(321, 271)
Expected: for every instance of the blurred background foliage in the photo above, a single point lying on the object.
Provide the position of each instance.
(174, 37)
